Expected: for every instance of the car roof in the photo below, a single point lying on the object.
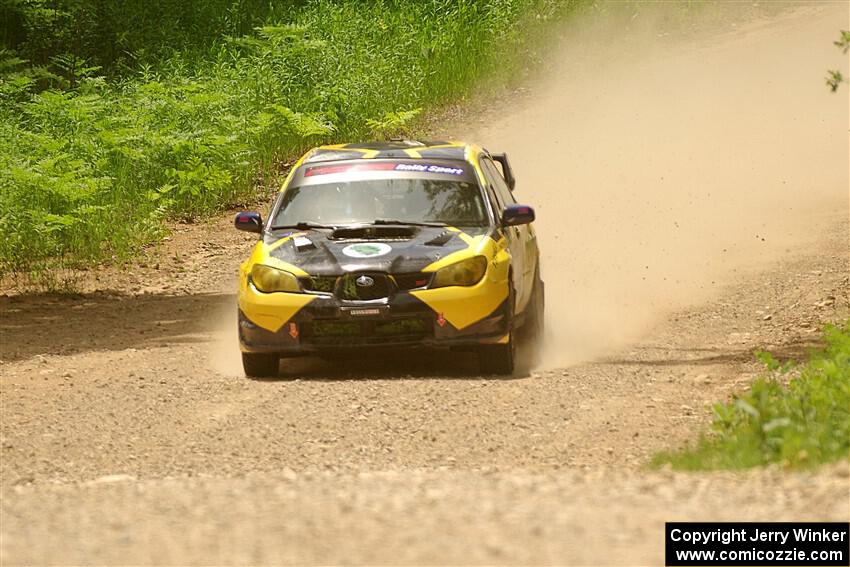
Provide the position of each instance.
(404, 149)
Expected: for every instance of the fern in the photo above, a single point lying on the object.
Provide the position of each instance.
(392, 122)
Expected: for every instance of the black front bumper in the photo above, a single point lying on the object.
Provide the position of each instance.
(327, 324)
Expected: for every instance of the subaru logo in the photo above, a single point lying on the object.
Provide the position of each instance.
(364, 281)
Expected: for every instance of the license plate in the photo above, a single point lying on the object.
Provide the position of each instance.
(363, 312)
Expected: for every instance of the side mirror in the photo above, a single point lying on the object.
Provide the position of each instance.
(249, 221)
(514, 215)
(507, 172)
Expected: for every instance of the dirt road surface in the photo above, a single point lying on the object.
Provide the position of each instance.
(693, 203)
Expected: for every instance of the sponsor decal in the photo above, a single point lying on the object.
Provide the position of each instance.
(428, 168)
(441, 320)
(366, 250)
(382, 166)
(302, 243)
(293, 330)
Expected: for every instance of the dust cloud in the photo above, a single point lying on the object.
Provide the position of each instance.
(224, 355)
(663, 168)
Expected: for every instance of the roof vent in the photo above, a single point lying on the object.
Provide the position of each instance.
(406, 142)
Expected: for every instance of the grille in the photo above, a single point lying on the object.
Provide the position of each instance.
(335, 328)
(324, 284)
(363, 287)
(367, 332)
(411, 281)
(345, 287)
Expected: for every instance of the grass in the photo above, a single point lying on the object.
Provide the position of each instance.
(92, 165)
(795, 416)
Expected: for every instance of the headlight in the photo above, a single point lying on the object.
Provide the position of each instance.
(270, 279)
(466, 272)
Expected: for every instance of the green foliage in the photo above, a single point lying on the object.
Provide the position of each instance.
(99, 144)
(801, 424)
(392, 122)
(843, 42)
(122, 35)
(835, 78)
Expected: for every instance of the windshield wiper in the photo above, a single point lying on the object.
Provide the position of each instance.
(303, 225)
(407, 223)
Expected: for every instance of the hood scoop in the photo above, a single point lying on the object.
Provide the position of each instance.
(378, 232)
(441, 239)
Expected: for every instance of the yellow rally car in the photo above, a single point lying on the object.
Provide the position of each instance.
(391, 244)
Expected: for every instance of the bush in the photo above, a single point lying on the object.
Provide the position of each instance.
(802, 424)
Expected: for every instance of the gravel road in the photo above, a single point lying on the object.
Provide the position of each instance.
(130, 437)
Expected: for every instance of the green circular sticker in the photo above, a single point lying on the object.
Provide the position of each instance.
(366, 249)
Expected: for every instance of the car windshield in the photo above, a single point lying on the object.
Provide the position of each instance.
(415, 200)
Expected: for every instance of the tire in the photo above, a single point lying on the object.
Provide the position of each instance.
(533, 326)
(500, 359)
(260, 365)
(532, 332)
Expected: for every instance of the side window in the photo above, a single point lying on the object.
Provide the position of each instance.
(503, 192)
(492, 195)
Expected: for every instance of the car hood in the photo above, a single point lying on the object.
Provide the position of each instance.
(391, 249)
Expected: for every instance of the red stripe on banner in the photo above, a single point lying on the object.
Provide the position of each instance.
(350, 168)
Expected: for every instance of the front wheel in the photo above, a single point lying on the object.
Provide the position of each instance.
(260, 365)
(534, 320)
(498, 359)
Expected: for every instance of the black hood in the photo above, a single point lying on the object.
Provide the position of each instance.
(390, 249)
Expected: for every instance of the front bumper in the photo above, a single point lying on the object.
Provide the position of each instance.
(323, 323)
